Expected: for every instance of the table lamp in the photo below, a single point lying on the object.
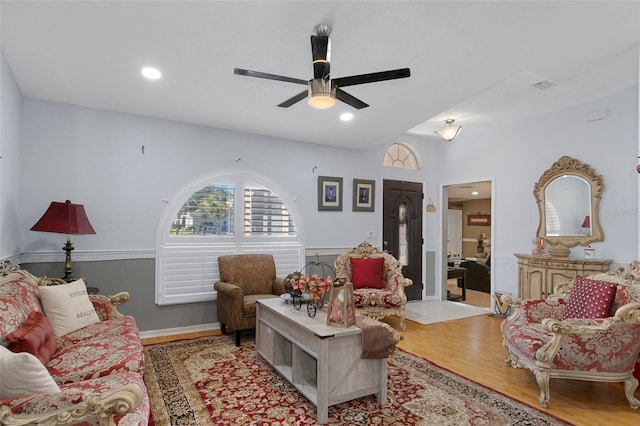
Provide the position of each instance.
(65, 218)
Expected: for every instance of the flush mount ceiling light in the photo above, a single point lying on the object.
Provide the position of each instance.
(346, 116)
(151, 73)
(449, 132)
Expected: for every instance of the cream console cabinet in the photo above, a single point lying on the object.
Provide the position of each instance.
(538, 274)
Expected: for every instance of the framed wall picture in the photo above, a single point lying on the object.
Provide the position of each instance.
(329, 193)
(479, 220)
(364, 192)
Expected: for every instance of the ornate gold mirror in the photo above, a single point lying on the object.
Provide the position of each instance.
(568, 196)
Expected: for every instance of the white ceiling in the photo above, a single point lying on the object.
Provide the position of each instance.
(474, 61)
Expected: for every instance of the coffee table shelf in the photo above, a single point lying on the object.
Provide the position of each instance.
(322, 362)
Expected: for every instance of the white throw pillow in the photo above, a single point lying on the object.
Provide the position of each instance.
(67, 306)
(23, 374)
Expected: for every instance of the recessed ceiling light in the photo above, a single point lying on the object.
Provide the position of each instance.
(346, 116)
(474, 193)
(151, 73)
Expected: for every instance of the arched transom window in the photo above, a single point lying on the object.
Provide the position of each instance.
(402, 156)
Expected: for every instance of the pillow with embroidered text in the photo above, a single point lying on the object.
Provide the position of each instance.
(68, 307)
(590, 299)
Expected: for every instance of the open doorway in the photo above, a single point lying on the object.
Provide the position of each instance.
(467, 243)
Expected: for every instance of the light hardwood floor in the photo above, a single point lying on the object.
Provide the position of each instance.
(472, 347)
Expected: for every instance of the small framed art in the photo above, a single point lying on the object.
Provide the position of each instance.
(329, 193)
(479, 220)
(364, 192)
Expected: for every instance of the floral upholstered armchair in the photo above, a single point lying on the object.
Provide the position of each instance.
(244, 278)
(378, 284)
(589, 329)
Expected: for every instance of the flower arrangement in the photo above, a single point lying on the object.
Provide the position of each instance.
(296, 283)
(317, 287)
(299, 284)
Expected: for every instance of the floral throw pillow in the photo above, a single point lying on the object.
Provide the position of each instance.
(590, 299)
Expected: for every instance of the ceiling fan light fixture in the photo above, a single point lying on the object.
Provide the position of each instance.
(321, 101)
(449, 132)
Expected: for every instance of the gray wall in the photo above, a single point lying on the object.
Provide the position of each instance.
(135, 276)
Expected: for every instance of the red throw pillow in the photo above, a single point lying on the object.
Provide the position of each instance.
(367, 272)
(590, 299)
(35, 336)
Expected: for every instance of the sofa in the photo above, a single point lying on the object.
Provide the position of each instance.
(589, 329)
(67, 357)
(378, 283)
(478, 275)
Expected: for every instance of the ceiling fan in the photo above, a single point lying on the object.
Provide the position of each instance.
(322, 90)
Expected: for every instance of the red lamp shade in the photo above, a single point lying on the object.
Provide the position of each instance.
(587, 222)
(64, 218)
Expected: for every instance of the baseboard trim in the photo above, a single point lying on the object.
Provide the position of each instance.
(179, 330)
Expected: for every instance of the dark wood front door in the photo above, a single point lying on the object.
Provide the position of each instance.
(402, 229)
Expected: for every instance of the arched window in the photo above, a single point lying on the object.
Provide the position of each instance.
(218, 214)
(402, 156)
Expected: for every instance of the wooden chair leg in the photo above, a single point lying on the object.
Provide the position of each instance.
(223, 328)
(237, 337)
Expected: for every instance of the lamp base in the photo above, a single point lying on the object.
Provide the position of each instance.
(68, 248)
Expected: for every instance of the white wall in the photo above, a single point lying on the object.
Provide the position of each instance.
(516, 154)
(95, 158)
(10, 126)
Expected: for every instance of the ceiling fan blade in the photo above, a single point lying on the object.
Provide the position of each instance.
(292, 100)
(258, 74)
(372, 77)
(321, 54)
(343, 96)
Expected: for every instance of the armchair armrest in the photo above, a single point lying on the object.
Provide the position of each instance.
(232, 295)
(97, 400)
(278, 286)
(107, 306)
(533, 310)
(586, 343)
(228, 289)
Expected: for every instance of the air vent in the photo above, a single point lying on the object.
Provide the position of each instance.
(543, 85)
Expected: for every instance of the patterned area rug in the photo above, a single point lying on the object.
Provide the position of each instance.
(209, 381)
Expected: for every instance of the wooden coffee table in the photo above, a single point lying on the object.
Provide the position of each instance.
(322, 362)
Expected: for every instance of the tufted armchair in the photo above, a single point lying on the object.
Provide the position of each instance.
(244, 278)
(564, 336)
(377, 292)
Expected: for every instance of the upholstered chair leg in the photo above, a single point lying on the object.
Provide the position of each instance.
(237, 337)
(542, 378)
(223, 328)
(403, 316)
(630, 386)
